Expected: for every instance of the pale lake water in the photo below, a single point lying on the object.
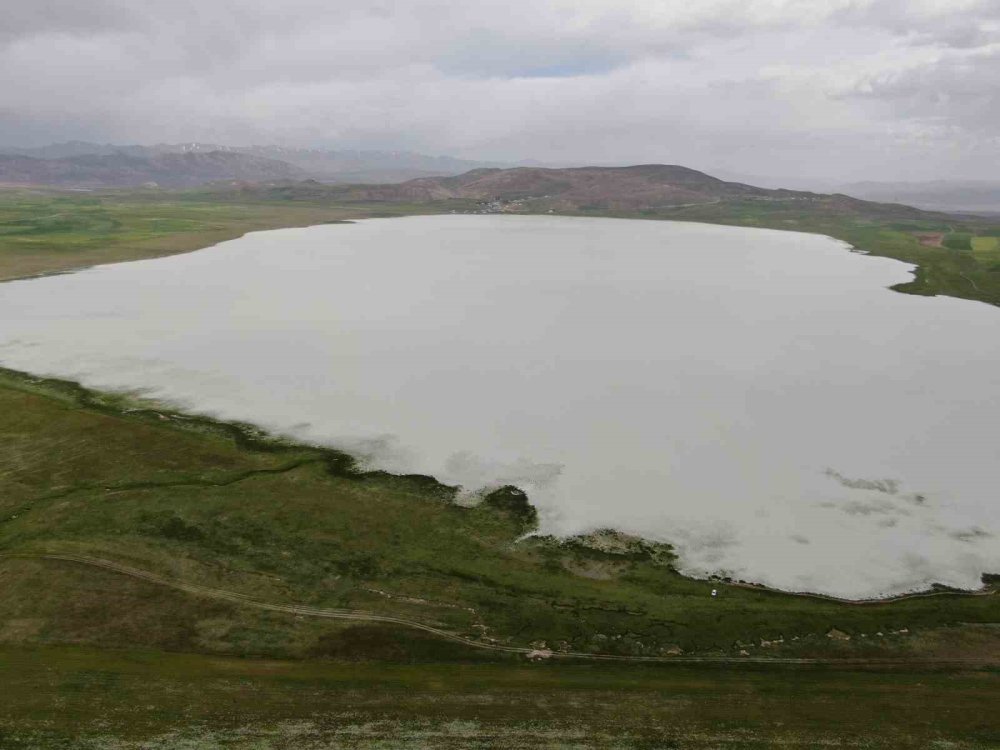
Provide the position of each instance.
(756, 398)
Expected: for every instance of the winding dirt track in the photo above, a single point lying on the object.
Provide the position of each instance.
(371, 617)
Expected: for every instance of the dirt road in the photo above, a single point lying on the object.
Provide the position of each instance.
(372, 617)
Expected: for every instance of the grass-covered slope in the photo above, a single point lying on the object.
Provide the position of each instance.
(57, 698)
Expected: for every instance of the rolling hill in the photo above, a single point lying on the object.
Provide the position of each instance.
(600, 187)
(643, 189)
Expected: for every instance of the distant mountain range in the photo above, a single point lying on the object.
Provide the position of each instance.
(401, 175)
(82, 164)
(943, 195)
(161, 170)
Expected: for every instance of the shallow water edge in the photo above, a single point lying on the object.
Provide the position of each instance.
(338, 463)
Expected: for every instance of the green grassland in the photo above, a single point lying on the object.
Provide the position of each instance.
(986, 251)
(50, 231)
(222, 506)
(62, 697)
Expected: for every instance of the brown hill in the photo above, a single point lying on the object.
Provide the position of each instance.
(643, 189)
(621, 188)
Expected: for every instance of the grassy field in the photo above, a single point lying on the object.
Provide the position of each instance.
(154, 701)
(50, 231)
(222, 506)
(986, 251)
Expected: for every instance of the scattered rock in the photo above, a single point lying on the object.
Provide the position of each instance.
(621, 545)
(539, 654)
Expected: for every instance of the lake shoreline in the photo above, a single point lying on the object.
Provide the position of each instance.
(341, 464)
(280, 422)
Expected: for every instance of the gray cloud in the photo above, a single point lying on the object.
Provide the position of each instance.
(845, 89)
(26, 20)
(950, 23)
(957, 95)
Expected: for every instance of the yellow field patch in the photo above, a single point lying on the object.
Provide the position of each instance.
(986, 249)
(985, 244)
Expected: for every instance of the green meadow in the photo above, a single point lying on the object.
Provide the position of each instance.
(76, 697)
(51, 231)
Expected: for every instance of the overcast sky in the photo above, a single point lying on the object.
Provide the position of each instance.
(834, 89)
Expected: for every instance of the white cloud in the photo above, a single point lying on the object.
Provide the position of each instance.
(838, 88)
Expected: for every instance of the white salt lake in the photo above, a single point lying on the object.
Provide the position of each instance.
(758, 399)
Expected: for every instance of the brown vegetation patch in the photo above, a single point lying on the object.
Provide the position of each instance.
(597, 570)
(930, 239)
